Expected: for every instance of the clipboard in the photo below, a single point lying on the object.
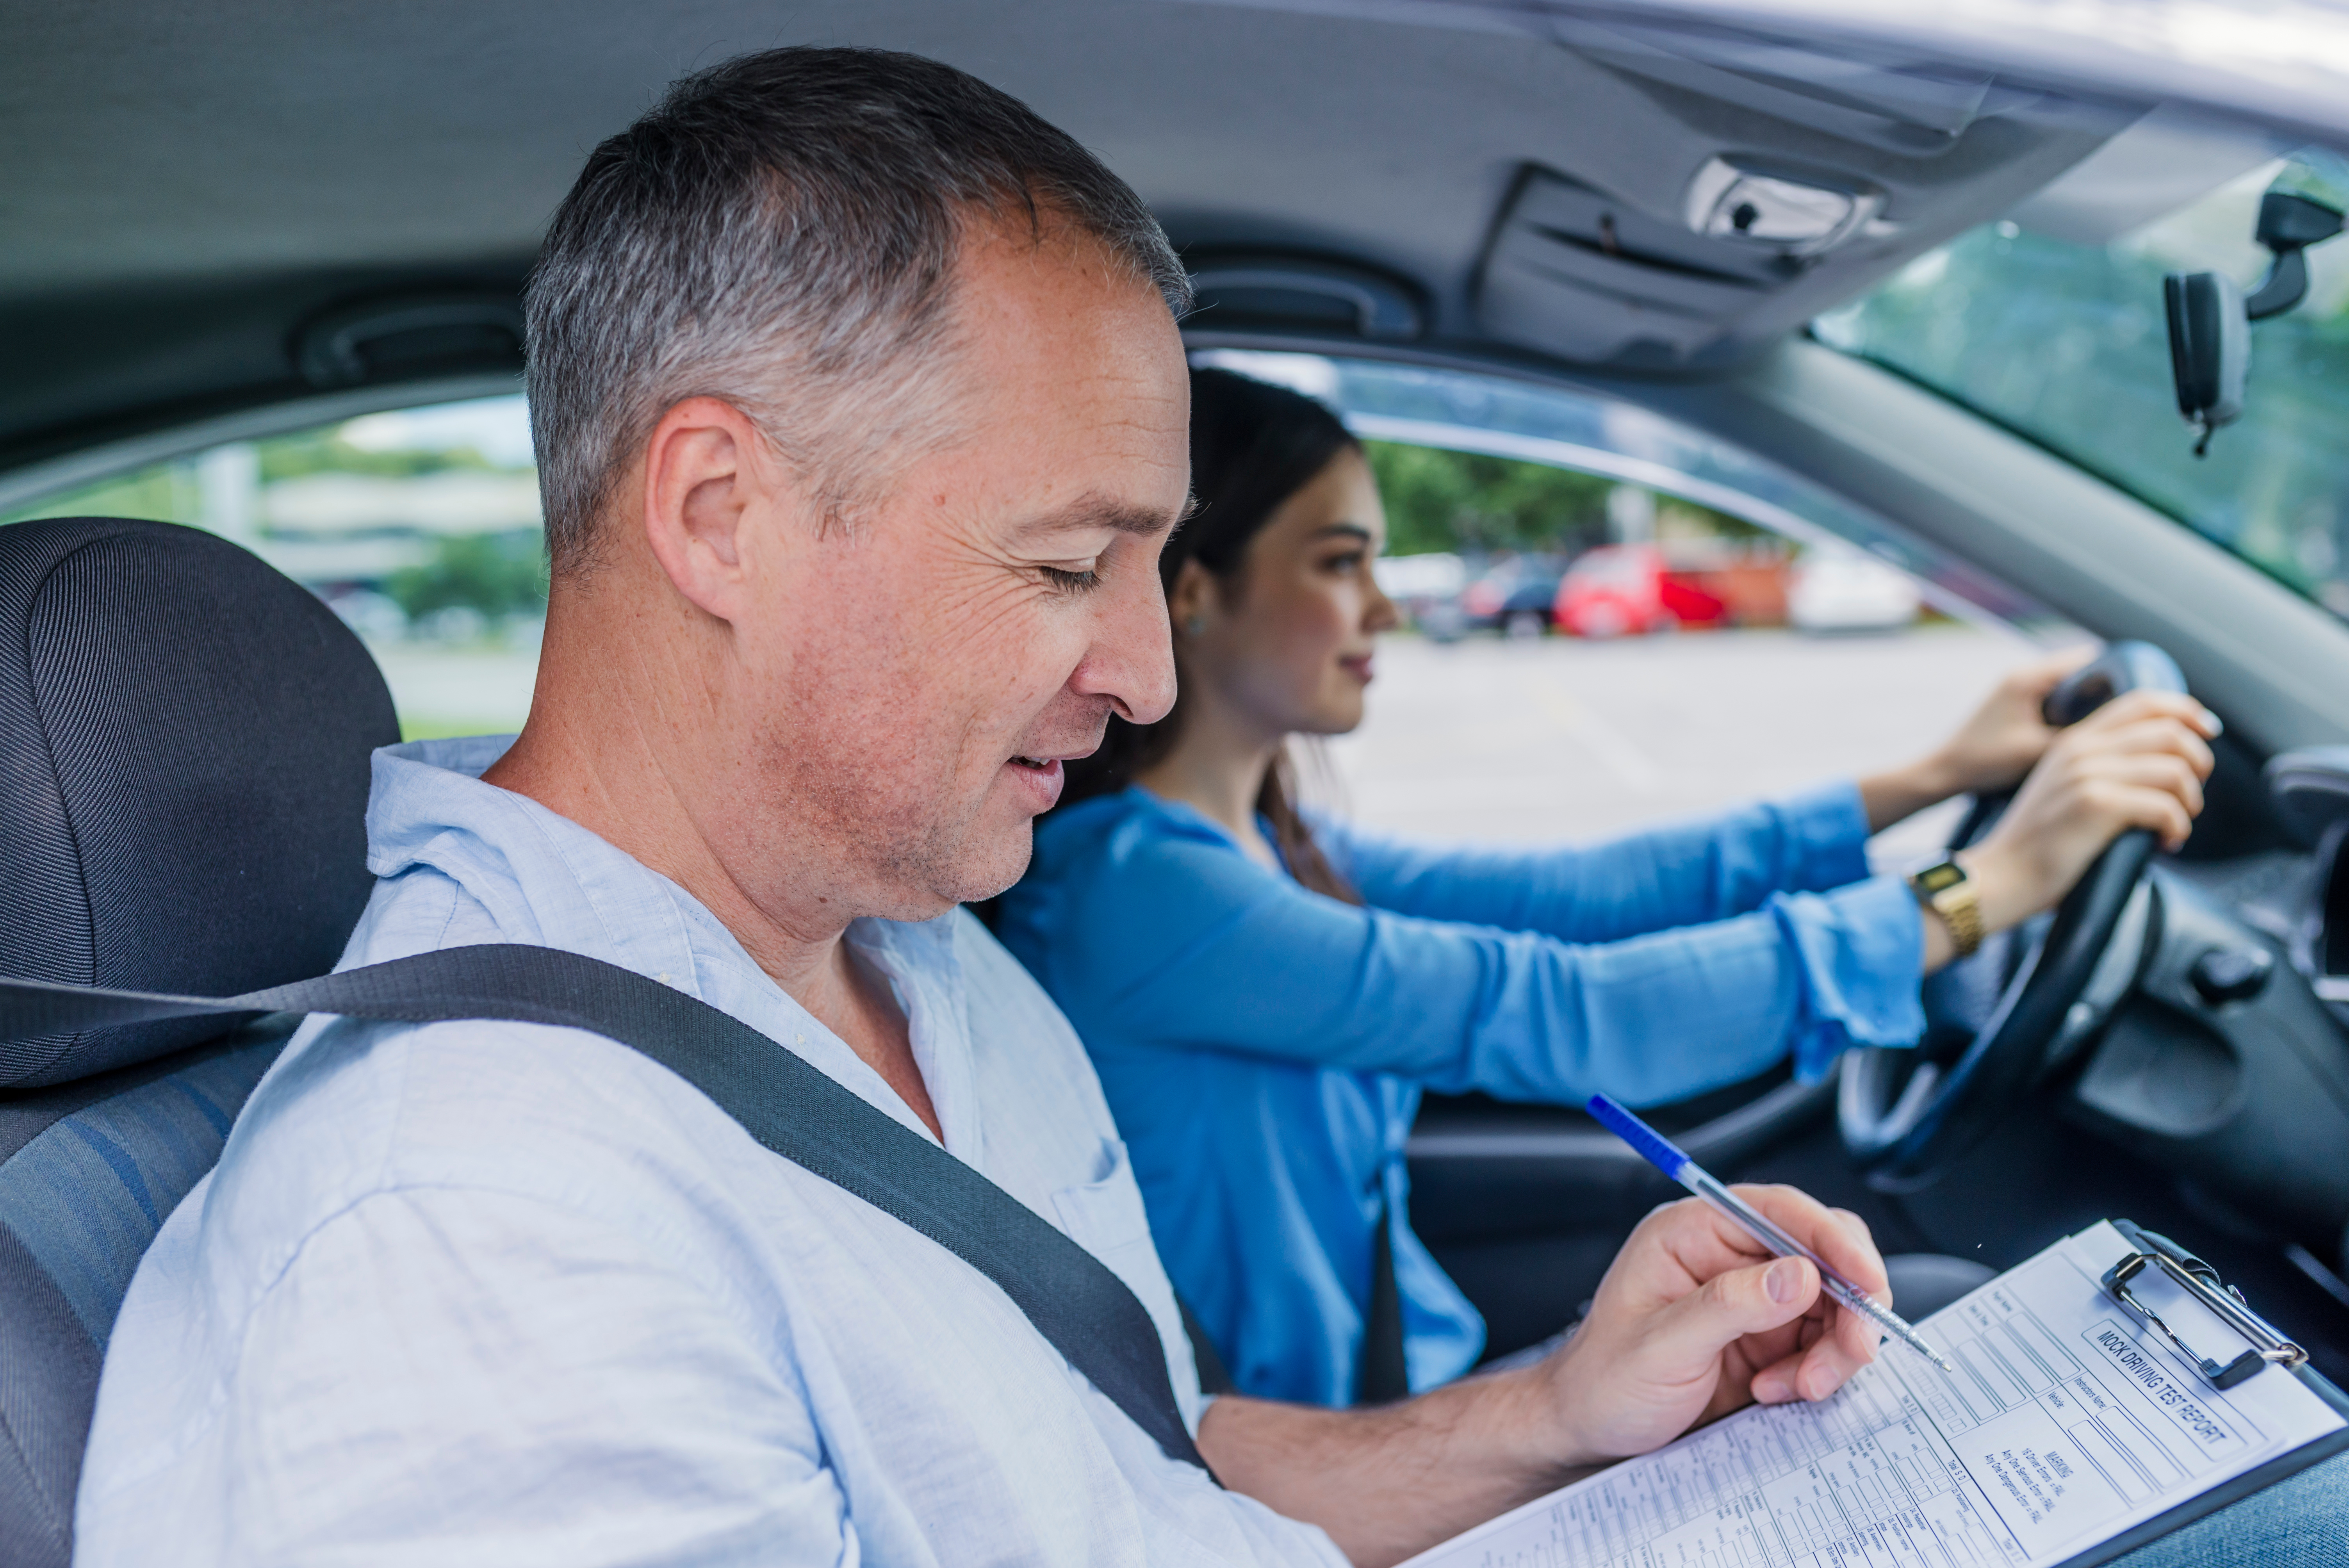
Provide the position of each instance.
(2104, 1394)
(2265, 1348)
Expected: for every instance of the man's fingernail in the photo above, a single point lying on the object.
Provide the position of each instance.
(1785, 1281)
(2217, 726)
(1770, 1389)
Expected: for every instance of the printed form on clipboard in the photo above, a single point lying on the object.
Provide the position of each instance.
(2071, 1427)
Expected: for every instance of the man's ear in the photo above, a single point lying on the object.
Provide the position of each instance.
(712, 490)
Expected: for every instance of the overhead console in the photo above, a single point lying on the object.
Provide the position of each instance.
(1796, 178)
(1575, 273)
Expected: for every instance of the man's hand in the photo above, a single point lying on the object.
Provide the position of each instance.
(1996, 746)
(1692, 1320)
(1696, 1319)
(2139, 761)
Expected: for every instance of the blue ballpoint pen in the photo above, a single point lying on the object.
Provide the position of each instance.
(1666, 1157)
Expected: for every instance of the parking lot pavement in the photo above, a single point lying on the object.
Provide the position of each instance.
(1543, 740)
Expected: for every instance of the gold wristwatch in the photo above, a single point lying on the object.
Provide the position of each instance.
(1948, 891)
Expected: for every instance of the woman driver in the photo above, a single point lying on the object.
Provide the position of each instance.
(1267, 998)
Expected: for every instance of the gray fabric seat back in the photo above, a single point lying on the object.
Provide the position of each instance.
(185, 740)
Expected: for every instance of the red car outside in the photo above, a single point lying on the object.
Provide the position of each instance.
(1625, 589)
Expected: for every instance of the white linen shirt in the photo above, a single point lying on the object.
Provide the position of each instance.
(500, 1294)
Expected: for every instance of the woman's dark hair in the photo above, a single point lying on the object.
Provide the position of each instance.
(1252, 445)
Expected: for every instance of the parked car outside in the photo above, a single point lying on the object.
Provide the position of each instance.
(1517, 594)
(1426, 588)
(1625, 589)
(1844, 591)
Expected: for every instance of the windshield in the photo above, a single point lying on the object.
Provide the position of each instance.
(2067, 343)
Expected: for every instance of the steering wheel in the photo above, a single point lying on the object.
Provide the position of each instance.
(2000, 1021)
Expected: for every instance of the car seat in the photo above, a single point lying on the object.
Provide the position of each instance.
(185, 740)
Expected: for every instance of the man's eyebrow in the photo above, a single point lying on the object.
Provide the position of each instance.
(1099, 511)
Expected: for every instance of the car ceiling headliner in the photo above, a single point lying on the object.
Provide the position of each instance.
(183, 185)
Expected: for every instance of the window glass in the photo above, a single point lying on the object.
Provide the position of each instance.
(419, 526)
(2067, 344)
(1613, 620)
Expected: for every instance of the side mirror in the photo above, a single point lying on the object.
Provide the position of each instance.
(2209, 319)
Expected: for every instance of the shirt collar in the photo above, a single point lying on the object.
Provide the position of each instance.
(545, 880)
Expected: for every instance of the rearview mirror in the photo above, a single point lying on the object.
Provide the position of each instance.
(2209, 349)
(2209, 319)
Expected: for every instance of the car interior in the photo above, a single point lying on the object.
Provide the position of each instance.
(1673, 253)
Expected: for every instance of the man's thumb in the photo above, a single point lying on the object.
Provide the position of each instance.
(1752, 1300)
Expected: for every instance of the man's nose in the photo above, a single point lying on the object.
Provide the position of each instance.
(1132, 660)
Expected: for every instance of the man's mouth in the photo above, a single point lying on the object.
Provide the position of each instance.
(1036, 764)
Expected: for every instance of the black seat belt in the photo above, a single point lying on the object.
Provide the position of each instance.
(1382, 1378)
(793, 1108)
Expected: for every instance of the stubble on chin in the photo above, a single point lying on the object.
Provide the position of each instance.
(893, 853)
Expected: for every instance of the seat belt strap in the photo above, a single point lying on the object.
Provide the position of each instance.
(793, 1108)
(1382, 1378)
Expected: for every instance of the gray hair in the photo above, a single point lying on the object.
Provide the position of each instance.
(780, 233)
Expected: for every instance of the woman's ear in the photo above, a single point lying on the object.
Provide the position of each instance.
(1192, 601)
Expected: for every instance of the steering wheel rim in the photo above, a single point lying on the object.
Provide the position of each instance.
(1904, 1120)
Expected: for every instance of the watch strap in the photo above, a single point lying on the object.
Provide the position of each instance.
(1948, 892)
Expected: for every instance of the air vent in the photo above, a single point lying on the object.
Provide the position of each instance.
(1273, 291)
(397, 337)
(1575, 274)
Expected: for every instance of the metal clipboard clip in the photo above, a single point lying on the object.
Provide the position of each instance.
(2201, 1281)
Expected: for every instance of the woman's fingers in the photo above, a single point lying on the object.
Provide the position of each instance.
(2163, 772)
(2122, 806)
(2140, 707)
(2161, 733)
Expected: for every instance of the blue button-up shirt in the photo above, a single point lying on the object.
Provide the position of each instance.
(1264, 1048)
(498, 1293)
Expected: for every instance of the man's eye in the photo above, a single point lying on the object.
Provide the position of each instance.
(1070, 582)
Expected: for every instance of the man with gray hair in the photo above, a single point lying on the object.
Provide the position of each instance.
(861, 417)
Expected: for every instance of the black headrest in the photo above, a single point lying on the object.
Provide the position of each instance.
(183, 776)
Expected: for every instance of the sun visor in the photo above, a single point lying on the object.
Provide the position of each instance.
(1851, 93)
(2165, 161)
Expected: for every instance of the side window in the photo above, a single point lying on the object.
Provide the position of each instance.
(1639, 626)
(419, 526)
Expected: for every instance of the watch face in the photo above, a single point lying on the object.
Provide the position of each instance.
(1933, 880)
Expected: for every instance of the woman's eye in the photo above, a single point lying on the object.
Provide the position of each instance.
(1350, 562)
(1070, 582)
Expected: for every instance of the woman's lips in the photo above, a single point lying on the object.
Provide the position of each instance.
(1357, 666)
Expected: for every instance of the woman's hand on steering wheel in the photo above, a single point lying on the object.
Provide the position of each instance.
(1995, 747)
(2137, 762)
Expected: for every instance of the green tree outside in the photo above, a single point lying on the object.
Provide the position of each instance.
(497, 574)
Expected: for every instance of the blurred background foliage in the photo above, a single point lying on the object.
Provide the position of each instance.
(492, 574)
(1473, 505)
(1467, 502)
